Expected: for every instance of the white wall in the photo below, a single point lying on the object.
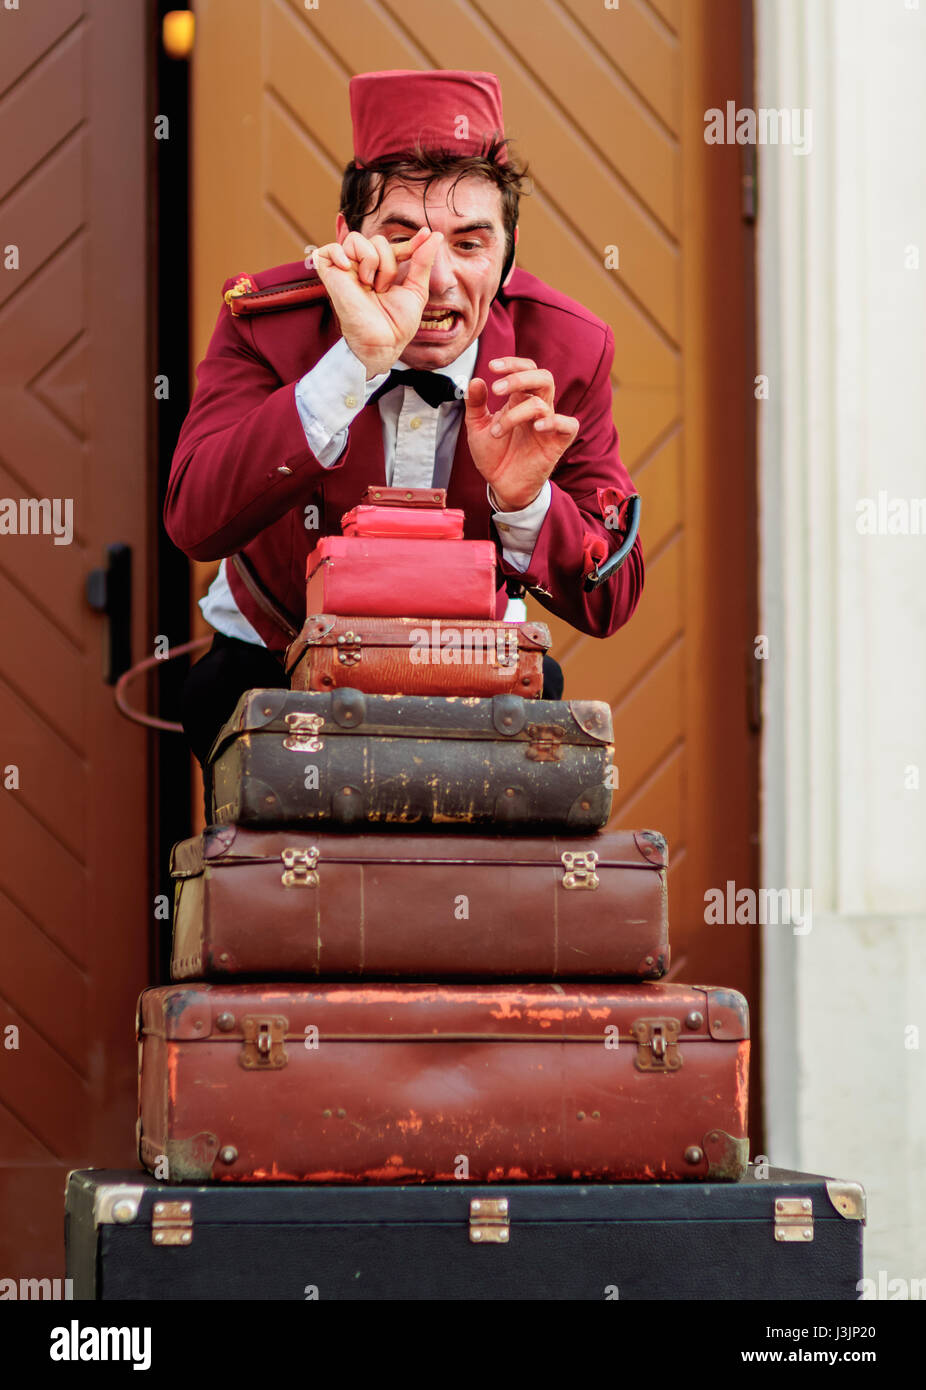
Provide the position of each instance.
(842, 337)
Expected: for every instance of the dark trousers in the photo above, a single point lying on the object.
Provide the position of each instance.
(230, 667)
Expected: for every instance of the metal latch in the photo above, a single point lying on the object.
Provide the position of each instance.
(546, 742)
(172, 1223)
(580, 869)
(304, 737)
(264, 1039)
(488, 1221)
(657, 1044)
(506, 647)
(300, 867)
(794, 1218)
(349, 652)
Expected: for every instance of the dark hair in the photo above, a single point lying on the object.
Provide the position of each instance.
(363, 187)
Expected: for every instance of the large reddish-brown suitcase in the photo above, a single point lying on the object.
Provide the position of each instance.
(395, 1083)
(377, 576)
(278, 904)
(418, 656)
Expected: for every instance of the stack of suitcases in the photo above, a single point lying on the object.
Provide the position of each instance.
(411, 969)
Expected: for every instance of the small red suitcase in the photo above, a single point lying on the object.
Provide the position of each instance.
(418, 656)
(279, 904)
(415, 523)
(375, 576)
(408, 1083)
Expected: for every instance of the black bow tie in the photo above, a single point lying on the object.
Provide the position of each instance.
(432, 387)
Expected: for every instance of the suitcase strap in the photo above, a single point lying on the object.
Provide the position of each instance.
(262, 596)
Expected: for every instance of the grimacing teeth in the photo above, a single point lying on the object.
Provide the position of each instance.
(445, 321)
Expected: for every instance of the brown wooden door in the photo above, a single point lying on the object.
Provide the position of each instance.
(75, 389)
(608, 107)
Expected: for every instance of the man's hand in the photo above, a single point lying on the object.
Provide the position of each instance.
(517, 449)
(378, 314)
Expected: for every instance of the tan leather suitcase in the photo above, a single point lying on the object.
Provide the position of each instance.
(418, 656)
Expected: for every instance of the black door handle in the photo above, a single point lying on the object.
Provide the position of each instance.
(109, 591)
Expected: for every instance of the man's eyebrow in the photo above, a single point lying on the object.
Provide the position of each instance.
(396, 219)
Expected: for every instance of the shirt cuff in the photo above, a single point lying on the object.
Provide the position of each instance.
(519, 530)
(329, 398)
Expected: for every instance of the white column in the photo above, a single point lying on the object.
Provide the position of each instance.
(842, 337)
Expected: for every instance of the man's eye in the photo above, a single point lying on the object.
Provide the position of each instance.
(469, 245)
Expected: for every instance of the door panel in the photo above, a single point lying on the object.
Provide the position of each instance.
(607, 105)
(75, 391)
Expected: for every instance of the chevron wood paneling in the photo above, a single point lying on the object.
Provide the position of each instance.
(606, 106)
(74, 904)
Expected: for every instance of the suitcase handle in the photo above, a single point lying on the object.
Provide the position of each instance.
(432, 497)
(604, 571)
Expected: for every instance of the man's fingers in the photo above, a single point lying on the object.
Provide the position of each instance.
(403, 250)
(522, 414)
(565, 425)
(324, 257)
(387, 263)
(477, 396)
(530, 379)
(512, 364)
(420, 263)
(364, 255)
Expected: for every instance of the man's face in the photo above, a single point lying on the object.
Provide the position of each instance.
(468, 265)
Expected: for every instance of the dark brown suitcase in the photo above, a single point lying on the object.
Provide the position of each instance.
(291, 757)
(418, 656)
(280, 904)
(408, 1083)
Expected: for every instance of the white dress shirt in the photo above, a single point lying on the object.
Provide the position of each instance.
(419, 441)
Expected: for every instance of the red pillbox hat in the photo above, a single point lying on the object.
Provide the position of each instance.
(459, 112)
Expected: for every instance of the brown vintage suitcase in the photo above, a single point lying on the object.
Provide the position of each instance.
(427, 1083)
(289, 757)
(418, 656)
(280, 904)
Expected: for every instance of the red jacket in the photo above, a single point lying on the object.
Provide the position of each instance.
(242, 472)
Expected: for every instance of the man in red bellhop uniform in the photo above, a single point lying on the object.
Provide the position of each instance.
(361, 381)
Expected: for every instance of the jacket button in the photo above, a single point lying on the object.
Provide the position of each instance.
(283, 469)
(351, 402)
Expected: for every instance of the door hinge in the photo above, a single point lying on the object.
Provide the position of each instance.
(657, 1044)
(754, 675)
(794, 1219)
(580, 870)
(304, 737)
(546, 742)
(349, 652)
(749, 184)
(264, 1039)
(172, 1223)
(300, 867)
(488, 1221)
